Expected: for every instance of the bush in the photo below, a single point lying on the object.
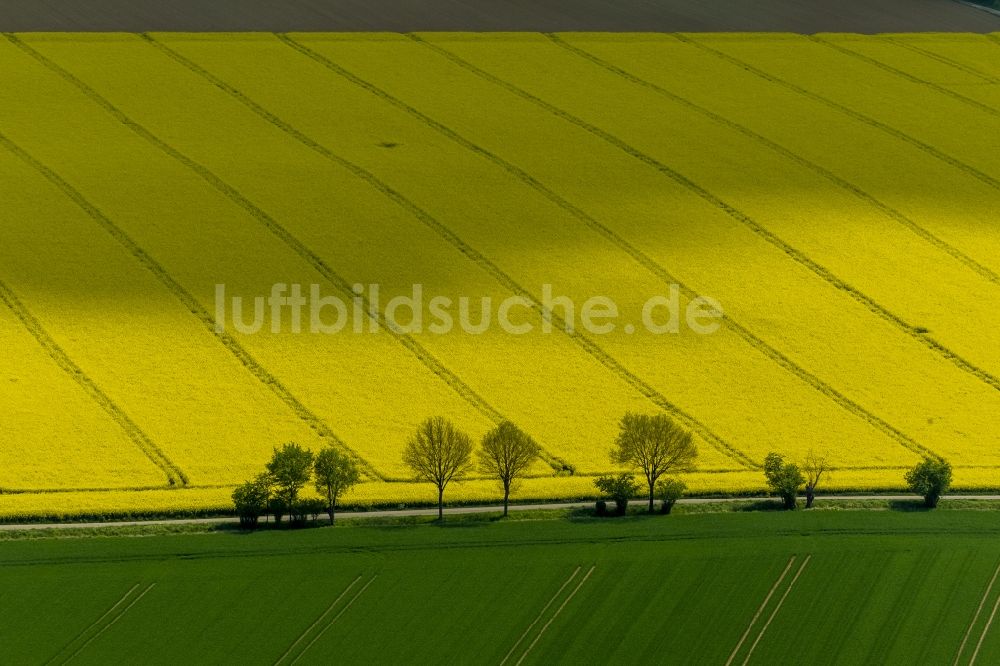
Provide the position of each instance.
(311, 507)
(669, 490)
(931, 478)
(251, 500)
(619, 488)
(276, 507)
(785, 479)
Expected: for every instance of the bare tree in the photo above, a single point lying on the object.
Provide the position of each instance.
(655, 444)
(438, 453)
(507, 454)
(814, 468)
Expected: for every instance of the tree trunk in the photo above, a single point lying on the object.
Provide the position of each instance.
(652, 484)
(506, 498)
(810, 496)
(441, 504)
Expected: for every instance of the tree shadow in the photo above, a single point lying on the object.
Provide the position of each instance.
(910, 506)
(762, 505)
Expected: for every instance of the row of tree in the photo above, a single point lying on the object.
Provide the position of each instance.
(930, 478)
(655, 446)
(438, 453)
(277, 489)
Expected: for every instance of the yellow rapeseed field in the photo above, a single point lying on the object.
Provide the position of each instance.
(836, 194)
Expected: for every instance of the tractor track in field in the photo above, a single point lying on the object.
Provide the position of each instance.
(429, 361)
(858, 116)
(951, 62)
(647, 262)
(191, 304)
(975, 617)
(272, 225)
(175, 475)
(590, 347)
(559, 610)
(895, 71)
(777, 608)
(890, 212)
(797, 255)
(94, 625)
(333, 621)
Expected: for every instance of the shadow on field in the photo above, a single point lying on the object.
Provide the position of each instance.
(761, 505)
(915, 505)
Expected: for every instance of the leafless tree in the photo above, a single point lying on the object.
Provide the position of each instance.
(438, 453)
(507, 454)
(814, 468)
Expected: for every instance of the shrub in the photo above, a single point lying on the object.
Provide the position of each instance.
(669, 490)
(931, 478)
(785, 479)
(251, 500)
(620, 488)
(276, 507)
(311, 507)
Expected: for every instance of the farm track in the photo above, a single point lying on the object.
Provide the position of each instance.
(315, 624)
(92, 626)
(460, 510)
(541, 614)
(881, 206)
(777, 608)
(112, 622)
(272, 225)
(555, 615)
(621, 244)
(333, 621)
(760, 610)
(986, 630)
(895, 71)
(175, 475)
(975, 617)
(590, 347)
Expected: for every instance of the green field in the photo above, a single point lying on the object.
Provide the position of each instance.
(834, 587)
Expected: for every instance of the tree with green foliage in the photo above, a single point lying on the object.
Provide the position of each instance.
(251, 500)
(507, 453)
(438, 453)
(815, 468)
(931, 478)
(335, 473)
(669, 490)
(785, 479)
(655, 444)
(620, 488)
(290, 468)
